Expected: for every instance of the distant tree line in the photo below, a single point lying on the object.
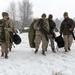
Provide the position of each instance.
(21, 13)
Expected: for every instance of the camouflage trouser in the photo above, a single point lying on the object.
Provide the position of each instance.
(38, 40)
(68, 39)
(52, 41)
(4, 47)
(10, 45)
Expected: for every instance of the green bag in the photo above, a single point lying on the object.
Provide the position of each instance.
(31, 34)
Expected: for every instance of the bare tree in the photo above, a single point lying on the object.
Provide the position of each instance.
(12, 10)
(21, 14)
(25, 13)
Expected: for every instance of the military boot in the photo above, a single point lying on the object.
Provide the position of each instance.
(53, 50)
(65, 50)
(69, 49)
(43, 53)
(6, 56)
(9, 49)
(2, 54)
(36, 51)
(46, 50)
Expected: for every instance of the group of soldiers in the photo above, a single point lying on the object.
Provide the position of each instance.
(45, 31)
(6, 32)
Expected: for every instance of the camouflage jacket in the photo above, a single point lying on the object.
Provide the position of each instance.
(52, 26)
(65, 27)
(8, 26)
(37, 27)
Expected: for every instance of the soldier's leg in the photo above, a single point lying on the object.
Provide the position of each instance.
(70, 41)
(37, 42)
(66, 42)
(2, 49)
(44, 45)
(47, 46)
(6, 50)
(10, 46)
(52, 43)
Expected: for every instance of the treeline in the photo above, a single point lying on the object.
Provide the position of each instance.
(21, 13)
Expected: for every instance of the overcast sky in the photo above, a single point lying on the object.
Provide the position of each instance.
(55, 7)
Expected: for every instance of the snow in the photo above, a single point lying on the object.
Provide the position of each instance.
(26, 28)
(23, 61)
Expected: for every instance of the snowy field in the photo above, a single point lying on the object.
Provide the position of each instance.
(23, 61)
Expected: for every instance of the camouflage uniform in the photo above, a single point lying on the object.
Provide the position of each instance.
(5, 40)
(11, 24)
(39, 36)
(65, 30)
(51, 35)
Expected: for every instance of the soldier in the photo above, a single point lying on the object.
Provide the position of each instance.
(51, 34)
(11, 25)
(42, 29)
(8, 28)
(66, 29)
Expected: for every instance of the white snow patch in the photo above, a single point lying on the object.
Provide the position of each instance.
(23, 61)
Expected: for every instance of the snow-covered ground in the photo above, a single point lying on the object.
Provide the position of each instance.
(23, 61)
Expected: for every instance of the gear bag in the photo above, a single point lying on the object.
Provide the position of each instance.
(31, 34)
(16, 39)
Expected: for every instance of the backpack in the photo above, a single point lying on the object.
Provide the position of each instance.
(60, 42)
(16, 39)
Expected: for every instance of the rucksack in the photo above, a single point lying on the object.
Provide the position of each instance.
(16, 39)
(60, 42)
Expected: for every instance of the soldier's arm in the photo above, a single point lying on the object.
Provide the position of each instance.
(54, 25)
(36, 26)
(73, 24)
(47, 25)
(12, 25)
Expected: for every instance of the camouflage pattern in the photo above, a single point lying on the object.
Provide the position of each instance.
(68, 39)
(65, 29)
(52, 26)
(8, 27)
(41, 37)
(12, 30)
